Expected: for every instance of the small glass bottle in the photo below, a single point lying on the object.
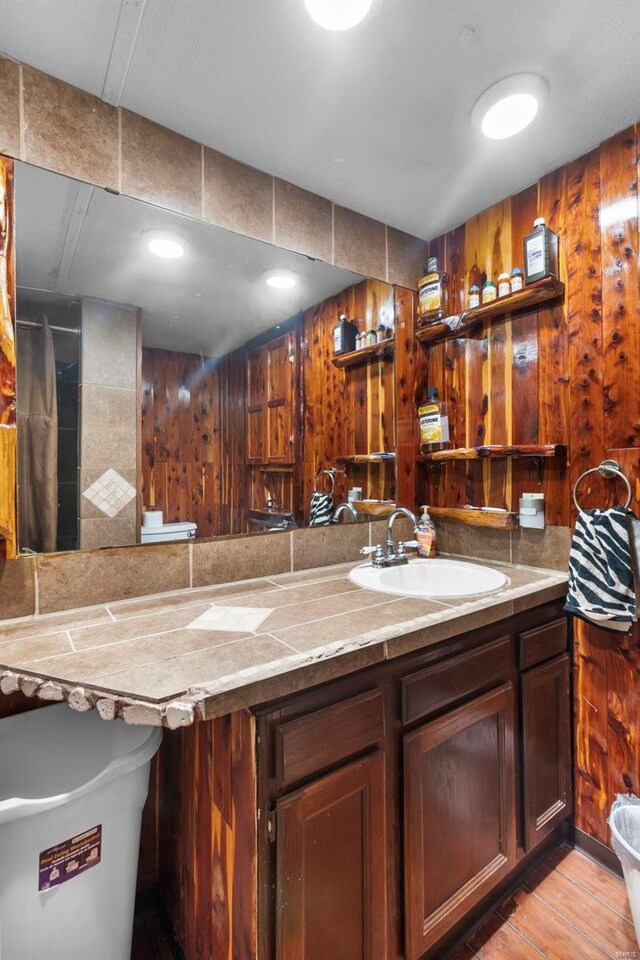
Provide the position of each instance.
(433, 422)
(473, 299)
(517, 279)
(381, 333)
(489, 292)
(358, 341)
(504, 285)
(540, 252)
(433, 293)
(371, 338)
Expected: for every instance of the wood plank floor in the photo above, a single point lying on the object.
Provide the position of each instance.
(568, 908)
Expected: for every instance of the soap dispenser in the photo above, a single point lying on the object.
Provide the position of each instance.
(426, 535)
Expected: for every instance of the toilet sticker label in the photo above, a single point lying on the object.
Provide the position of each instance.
(70, 858)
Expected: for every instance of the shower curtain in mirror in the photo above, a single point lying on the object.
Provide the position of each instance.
(37, 409)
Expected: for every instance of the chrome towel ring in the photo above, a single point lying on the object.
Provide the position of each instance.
(331, 473)
(607, 469)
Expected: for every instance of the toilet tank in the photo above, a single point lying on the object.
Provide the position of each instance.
(168, 531)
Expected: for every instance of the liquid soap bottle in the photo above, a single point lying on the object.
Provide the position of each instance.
(426, 535)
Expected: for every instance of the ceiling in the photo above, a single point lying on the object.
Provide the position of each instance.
(75, 240)
(376, 118)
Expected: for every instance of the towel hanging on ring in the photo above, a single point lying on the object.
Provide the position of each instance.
(321, 505)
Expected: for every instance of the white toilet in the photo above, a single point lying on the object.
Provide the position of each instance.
(155, 531)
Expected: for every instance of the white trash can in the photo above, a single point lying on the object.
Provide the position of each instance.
(72, 789)
(625, 838)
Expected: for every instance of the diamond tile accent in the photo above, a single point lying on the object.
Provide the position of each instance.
(240, 619)
(110, 493)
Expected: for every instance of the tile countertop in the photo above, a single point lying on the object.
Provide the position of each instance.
(170, 658)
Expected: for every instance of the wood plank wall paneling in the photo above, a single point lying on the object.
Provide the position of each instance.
(565, 372)
(348, 411)
(181, 455)
(7, 363)
(203, 856)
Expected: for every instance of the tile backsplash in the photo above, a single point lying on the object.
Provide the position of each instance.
(55, 582)
(59, 127)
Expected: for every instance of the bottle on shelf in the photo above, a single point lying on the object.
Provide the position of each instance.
(426, 535)
(433, 422)
(433, 293)
(540, 252)
(344, 335)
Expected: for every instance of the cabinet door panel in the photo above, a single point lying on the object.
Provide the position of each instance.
(547, 748)
(331, 867)
(279, 401)
(459, 814)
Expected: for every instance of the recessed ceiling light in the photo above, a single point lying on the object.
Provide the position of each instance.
(338, 14)
(165, 245)
(510, 105)
(281, 279)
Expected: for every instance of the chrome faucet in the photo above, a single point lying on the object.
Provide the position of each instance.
(340, 510)
(395, 556)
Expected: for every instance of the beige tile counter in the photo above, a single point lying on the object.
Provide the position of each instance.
(172, 657)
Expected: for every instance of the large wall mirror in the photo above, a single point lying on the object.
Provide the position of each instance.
(177, 380)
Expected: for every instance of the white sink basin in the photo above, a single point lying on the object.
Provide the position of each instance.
(437, 579)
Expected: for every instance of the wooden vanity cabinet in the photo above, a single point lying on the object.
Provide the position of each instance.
(459, 814)
(546, 745)
(393, 802)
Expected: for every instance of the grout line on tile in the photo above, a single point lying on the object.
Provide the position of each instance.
(386, 252)
(333, 232)
(190, 546)
(36, 589)
(70, 639)
(202, 217)
(273, 209)
(291, 567)
(21, 122)
(119, 149)
(564, 916)
(110, 614)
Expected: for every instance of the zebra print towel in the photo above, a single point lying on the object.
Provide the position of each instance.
(320, 509)
(601, 588)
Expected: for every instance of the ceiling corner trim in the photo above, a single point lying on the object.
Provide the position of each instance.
(124, 41)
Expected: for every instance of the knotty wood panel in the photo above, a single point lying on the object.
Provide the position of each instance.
(207, 876)
(181, 455)
(566, 371)
(348, 411)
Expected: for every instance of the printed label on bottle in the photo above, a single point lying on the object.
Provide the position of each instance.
(425, 542)
(337, 339)
(429, 298)
(430, 424)
(535, 255)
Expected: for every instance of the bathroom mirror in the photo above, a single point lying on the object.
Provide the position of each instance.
(176, 380)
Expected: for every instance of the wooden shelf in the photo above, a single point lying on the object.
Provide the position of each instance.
(378, 508)
(271, 467)
(368, 458)
(477, 518)
(377, 351)
(494, 451)
(459, 325)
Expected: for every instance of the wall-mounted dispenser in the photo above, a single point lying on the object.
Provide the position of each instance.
(532, 510)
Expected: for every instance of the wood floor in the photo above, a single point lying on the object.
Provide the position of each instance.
(568, 908)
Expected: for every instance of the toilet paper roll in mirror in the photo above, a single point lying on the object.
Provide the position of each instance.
(152, 518)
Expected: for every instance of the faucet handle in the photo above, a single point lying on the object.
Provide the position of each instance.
(410, 543)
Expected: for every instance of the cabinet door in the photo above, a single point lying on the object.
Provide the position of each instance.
(331, 867)
(546, 733)
(256, 406)
(280, 401)
(459, 814)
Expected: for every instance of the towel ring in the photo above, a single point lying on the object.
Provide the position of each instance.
(607, 469)
(331, 473)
